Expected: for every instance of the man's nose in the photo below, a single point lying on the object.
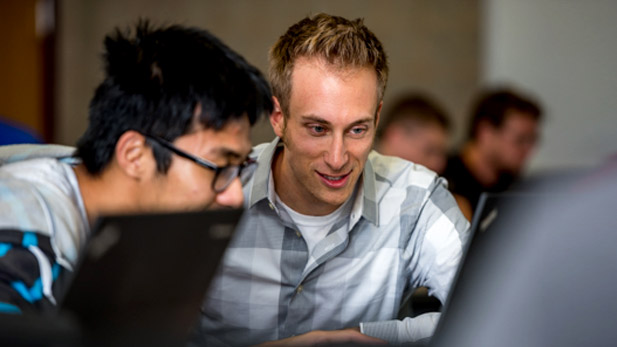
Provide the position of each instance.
(336, 155)
(232, 196)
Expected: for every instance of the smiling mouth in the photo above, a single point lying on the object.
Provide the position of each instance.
(333, 178)
(334, 181)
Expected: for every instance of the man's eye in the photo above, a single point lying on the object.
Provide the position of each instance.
(317, 129)
(358, 130)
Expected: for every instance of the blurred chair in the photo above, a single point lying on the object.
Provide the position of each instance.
(13, 132)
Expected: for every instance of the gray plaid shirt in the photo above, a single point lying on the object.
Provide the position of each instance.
(405, 231)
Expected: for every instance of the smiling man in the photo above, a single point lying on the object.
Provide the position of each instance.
(168, 131)
(330, 137)
(335, 235)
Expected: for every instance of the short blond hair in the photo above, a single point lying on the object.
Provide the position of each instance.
(342, 43)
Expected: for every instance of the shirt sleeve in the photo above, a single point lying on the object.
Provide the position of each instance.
(397, 332)
(29, 276)
(444, 231)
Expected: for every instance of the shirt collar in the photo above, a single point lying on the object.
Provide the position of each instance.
(365, 204)
(261, 178)
(369, 194)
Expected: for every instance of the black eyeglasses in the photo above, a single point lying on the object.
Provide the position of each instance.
(223, 176)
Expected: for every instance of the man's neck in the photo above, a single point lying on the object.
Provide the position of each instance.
(97, 192)
(479, 164)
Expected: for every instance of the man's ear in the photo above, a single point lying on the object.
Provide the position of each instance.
(378, 114)
(277, 119)
(132, 154)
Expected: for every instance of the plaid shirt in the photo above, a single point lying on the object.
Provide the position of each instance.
(405, 231)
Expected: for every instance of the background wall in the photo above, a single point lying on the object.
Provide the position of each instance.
(433, 46)
(561, 51)
(564, 52)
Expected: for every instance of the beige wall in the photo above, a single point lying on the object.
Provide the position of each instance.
(433, 46)
(569, 61)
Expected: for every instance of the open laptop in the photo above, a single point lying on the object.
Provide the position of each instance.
(495, 239)
(142, 278)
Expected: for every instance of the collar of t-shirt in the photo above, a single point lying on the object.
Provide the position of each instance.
(315, 228)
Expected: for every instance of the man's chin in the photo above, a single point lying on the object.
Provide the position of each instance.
(336, 200)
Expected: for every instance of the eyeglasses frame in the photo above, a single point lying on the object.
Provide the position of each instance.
(204, 162)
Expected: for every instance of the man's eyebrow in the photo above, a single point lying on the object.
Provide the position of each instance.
(230, 153)
(363, 120)
(313, 118)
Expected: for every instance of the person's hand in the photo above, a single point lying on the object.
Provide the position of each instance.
(350, 337)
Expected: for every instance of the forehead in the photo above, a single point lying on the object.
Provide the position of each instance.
(323, 90)
(232, 140)
(432, 129)
(521, 121)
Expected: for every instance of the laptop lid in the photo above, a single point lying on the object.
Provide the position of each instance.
(495, 239)
(146, 275)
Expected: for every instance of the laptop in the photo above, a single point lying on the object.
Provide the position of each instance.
(495, 238)
(542, 275)
(142, 278)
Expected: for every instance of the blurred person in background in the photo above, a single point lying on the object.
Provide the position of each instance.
(415, 129)
(503, 133)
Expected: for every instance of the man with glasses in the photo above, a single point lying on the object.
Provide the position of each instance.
(168, 131)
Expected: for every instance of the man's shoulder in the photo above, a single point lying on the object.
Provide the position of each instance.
(400, 173)
(22, 204)
(35, 170)
(37, 181)
(17, 153)
(258, 149)
(40, 195)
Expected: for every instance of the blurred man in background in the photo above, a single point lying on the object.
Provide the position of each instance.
(415, 129)
(503, 133)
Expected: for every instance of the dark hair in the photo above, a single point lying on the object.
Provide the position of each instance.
(154, 82)
(493, 105)
(417, 108)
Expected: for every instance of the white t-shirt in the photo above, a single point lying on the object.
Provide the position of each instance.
(316, 228)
